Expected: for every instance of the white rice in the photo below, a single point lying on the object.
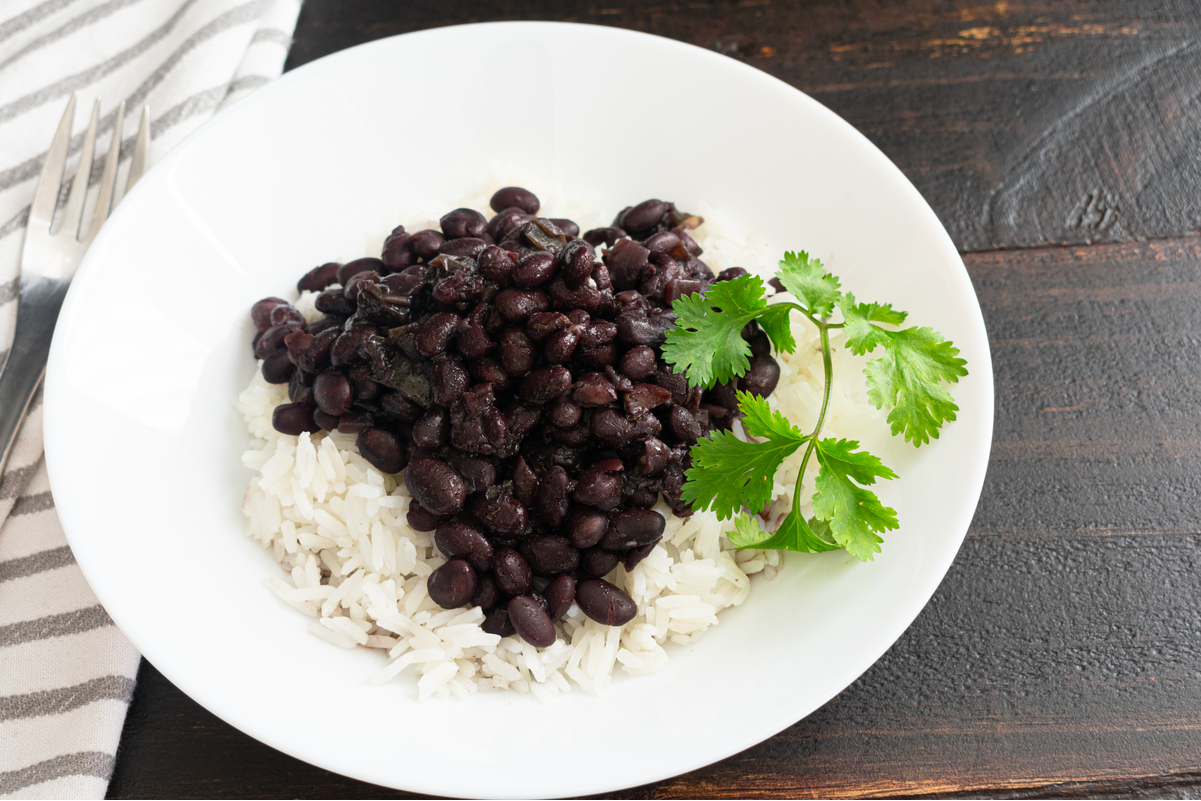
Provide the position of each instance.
(351, 563)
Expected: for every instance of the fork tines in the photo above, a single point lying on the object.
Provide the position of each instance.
(41, 213)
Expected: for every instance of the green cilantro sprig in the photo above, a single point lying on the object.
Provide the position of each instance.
(734, 477)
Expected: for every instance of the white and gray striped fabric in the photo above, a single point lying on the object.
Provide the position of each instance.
(66, 672)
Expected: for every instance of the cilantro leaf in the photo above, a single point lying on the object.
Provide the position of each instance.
(809, 283)
(909, 377)
(775, 323)
(794, 534)
(855, 515)
(707, 343)
(730, 474)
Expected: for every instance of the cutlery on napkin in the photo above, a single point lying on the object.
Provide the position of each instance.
(66, 673)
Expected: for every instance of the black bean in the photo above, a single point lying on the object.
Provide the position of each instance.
(533, 269)
(586, 297)
(653, 457)
(518, 355)
(643, 397)
(332, 393)
(553, 497)
(632, 529)
(679, 287)
(586, 526)
(594, 389)
(512, 574)
(449, 379)
(432, 430)
(550, 556)
(563, 413)
(478, 472)
(605, 603)
(260, 312)
(298, 390)
(310, 353)
(762, 377)
(559, 595)
(426, 244)
(597, 489)
(353, 422)
(597, 333)
(603, 236)
(611, 428)
(319, 278)
(400, 407)
(273, 339)
(285, 313)
(545, 384)
(648, 329)
(487, 371)
(452, 585)
(436, 486)
(662, 242)
(421, 519)
(644, 216)
(463, 222)
(497, 622)
(461, 541)
(459, 289)
(506, 225)
(531, 622)
(637, 363)
(598, 562)
(293, 419)
(544, 324)
(730, 273)
(500, 513)
(398, 251)
(691, 248)
(495, 265)
(525, 482)
(516, 305)
(577, 260)
(514, 196)
(382, 449)
(487, 594)
(327, 421)
(435, 331)
(365, 265)
(278, 368)
(468, 247)
(560, 346)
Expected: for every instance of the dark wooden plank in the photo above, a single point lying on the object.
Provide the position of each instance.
(1022, 123)
(1062, 654)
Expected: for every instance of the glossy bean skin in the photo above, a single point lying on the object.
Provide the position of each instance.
(497, 622)
(586, 526)
(518, 354)
(453, 584)
(511, 572)
(577, 260)
(531, 621)
(533, 270)
(500, 513)
(559, 595)
(605, 603)
(545, 384)
(598, 562)
(644, 216)
(515, 197)
(435, 331)
(421, 519)
(426, 244)
(549, 556)
(278, 368)
(762, 377)
(553, 498)
(436, 486)
(294, 419)
(463, 222)
(382, 449)
(633, 528)
(461, 541)
(319, 278)
(599, 490)
(516, 305)
(487, 594)
(333, 393)
(432, 430)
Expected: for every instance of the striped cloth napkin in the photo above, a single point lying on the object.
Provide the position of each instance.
(66, 673)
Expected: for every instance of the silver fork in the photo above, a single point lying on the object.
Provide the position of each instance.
(49, 259)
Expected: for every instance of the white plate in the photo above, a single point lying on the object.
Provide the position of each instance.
(143, 442)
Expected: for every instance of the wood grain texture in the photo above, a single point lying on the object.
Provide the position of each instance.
(1061, 656)
(1022, 123)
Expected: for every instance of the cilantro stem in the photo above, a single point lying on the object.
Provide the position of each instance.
(828, 368)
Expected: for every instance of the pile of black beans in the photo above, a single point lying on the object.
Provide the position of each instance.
(516, 380)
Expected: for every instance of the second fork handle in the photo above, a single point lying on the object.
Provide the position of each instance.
(38, 306)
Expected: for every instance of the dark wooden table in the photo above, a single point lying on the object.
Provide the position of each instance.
(1060, 144)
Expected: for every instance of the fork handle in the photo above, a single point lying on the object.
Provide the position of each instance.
(37, 311)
